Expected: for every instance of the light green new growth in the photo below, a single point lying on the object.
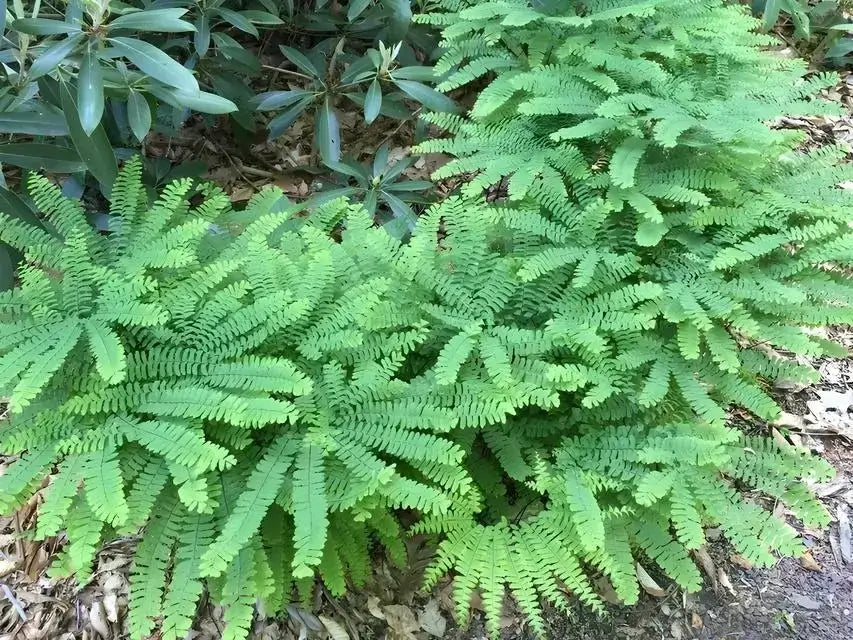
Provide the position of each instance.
(543, 381)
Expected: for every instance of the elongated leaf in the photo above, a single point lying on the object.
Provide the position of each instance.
(402, 211)
(422, 74)
(261, 17)
(356, 8)
(372, 101)
(237, 20)
(44, 27)
(42, 157)
(427, 96)
(205, 102)
(163, 20)
(351, 169)
(34, 123)
(277, 99)
(282, 122)
(90, 90)
(327, 132)
(95, 150)
(12, 206)
(304, 64)
(409, 185)
(138, 115)
(50, 59)
(201, 39)
(401, 18)
(149, 59)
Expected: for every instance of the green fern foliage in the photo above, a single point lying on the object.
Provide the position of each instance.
(542, 381)
(213, 377)
(665, 242)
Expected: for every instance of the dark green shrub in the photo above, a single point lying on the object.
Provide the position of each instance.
(133, 66)
(544, 381)
(85, 86)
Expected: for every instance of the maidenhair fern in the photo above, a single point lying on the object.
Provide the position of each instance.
(199, 372)
(667, 245)
(542, 381)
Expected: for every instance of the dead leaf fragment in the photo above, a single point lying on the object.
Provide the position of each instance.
(374, 608)
(836, 485)
(98, 620)
(6, 593)
(7, 567)
(831, 411)
(648, 583)
(780, 439)
(676, 630)
(111, 606)
(707, 564)
(696, 621)
(723, 577)
(401, 622)
(334, 629)
(431, 620)
(836, 550)
(808, 562)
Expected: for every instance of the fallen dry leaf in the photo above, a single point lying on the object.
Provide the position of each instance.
(431, 620)
(374, 608)
(401, 622)
(707, 564)
(648, 583)
(723, 577)
(334, 629)
(780, 439)
(676, 630)
(7, 593)
(98, 620)
(696, 621)
(808, 562)
(111, 606)
(836, 550)
(837, 484)
(7, 567)
(241, 194)
(831, 411)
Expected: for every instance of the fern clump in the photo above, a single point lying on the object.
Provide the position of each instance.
(543, 381)
(666, 245)
(229, 381)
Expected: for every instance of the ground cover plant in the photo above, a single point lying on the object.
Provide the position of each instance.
(539, 383)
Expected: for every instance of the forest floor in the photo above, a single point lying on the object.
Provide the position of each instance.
(808, 598)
